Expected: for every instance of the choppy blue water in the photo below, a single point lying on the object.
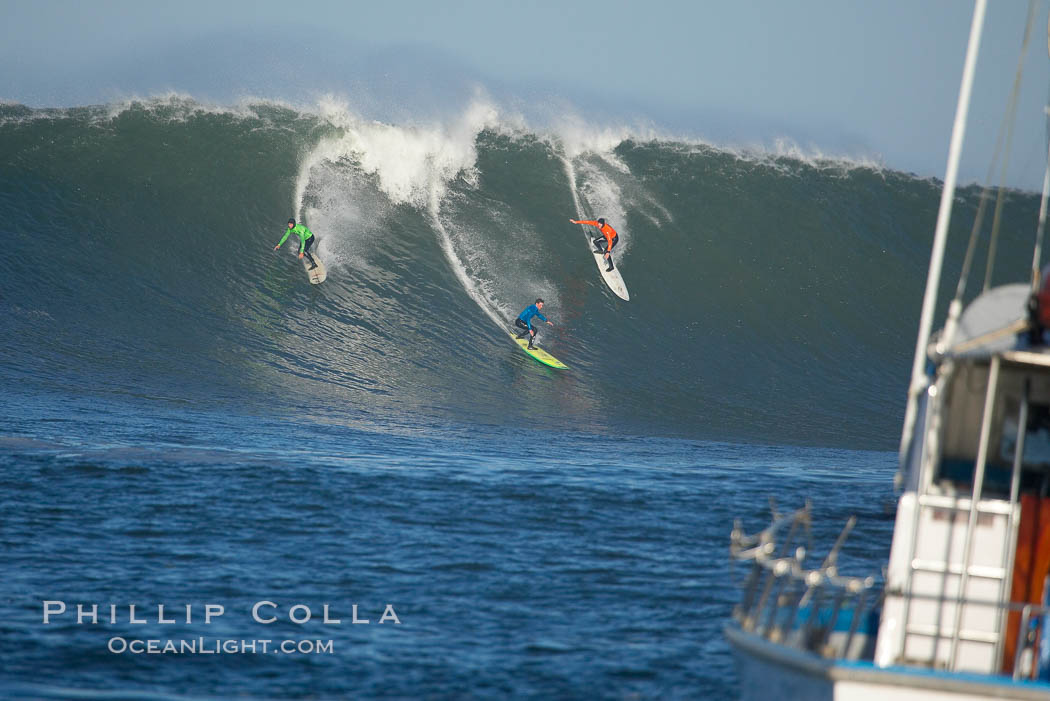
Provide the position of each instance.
(520, 563)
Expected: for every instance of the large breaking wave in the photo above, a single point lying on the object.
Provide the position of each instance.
(773, 295)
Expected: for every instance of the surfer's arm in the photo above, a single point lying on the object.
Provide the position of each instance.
(591, 222)
(283, 239)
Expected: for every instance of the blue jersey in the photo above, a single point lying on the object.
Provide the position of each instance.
(531, 311)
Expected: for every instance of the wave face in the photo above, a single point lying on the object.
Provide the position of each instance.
(774, 298)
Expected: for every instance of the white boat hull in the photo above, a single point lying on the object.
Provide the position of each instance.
(770, 672)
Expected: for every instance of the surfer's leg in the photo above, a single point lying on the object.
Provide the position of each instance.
(598, 244)
(532, 337)
(306, 250)
(522, 325)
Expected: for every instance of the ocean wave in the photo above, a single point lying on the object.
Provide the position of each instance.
(773, 292)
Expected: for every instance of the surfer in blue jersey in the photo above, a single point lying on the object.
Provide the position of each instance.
(524, 321)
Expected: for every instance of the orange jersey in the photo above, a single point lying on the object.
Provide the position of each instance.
(607, 231)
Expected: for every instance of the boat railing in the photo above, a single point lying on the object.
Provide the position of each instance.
(813, 609)
(836, 617)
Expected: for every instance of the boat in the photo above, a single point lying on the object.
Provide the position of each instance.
(960, 610)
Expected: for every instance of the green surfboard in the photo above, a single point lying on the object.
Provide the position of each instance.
(540, 354)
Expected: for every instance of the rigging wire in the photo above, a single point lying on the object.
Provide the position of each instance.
(1037, 253)
(1011, 113)
(1006, 127)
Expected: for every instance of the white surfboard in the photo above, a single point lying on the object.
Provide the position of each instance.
(318, 274)
(612, 277)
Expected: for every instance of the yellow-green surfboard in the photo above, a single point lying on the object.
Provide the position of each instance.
(540, 354)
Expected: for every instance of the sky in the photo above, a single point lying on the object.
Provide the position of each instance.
(858, 79)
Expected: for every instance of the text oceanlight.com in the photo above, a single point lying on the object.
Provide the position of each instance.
(219, 646)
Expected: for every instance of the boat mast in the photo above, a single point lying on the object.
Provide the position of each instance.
(940, 236)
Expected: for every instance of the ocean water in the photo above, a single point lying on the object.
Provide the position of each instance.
(188, 423)
(520, 563)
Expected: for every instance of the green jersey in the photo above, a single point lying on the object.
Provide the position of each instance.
(299, 230)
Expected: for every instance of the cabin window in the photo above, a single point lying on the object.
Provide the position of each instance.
(964, 412)
(1036, 439)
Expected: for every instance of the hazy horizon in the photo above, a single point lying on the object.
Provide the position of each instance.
(850, 80)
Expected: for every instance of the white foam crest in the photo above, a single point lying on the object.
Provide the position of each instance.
(438, 151)
(412, 164)
(784, 149)
(178, 106)
(577, 138)
(172, 106)
(814, 156)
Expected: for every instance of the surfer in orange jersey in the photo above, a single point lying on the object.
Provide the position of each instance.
(611, 238)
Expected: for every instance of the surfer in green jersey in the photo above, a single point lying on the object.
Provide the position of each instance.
(306, 239)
